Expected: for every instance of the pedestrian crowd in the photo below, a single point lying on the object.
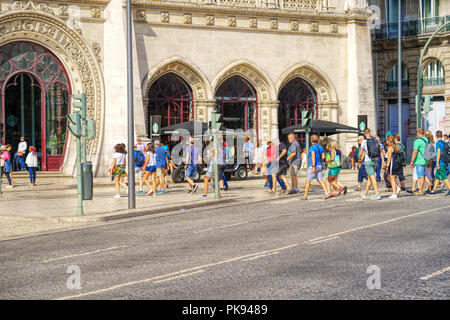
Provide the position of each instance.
(25, 159)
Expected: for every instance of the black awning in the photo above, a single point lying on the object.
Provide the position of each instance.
(183, 128)
(322, 127)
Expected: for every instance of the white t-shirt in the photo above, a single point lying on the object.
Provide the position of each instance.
(259, 155)
(120, 158)
(32, 160)
(22, 147)
(151, 159)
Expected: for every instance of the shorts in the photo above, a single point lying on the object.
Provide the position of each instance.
(264, 169)
(190, 171)
(294, 169)
(119, 170)
(420, 170)
(393, 172)
(138, 171)
(160, 172)
(441, 174)
(317, 175)
(362, 174)
(371, 166)
(334, 171)
(150, 169)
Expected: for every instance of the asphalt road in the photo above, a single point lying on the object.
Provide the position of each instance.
(280, 249)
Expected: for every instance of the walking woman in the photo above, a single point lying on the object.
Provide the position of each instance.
(333, 160)
(32, 163)
(6, 165)
(393, 165)
(429, 167)
(150, 169)
(117, 169)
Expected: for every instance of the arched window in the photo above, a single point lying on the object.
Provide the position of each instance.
(171, 98)
(392, 80)
(237, 100)
(433, 74)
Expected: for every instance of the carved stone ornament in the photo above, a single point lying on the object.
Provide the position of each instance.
(274, 24)
(187, 18)
(64, 11)
(165, 17)
(232, 21)
(334, 28)
(253, 23)
(96, 49)
(19, 5)
(210, 20)
(96, 13)
(141, 15)
(314, 26)
(294, 25)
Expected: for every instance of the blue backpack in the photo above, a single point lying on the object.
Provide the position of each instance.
(139, 158)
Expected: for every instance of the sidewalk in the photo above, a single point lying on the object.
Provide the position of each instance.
(53, 202)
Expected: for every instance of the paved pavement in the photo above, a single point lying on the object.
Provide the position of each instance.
(282, 248)
(53, 203)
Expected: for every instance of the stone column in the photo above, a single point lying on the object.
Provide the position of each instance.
(203, 109)
(268, 119)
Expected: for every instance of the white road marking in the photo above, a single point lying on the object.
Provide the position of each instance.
(241, 223)
(285, 201)
(434, 274)
(323, 240)
(180, 276)
(83, 254)
(261, 256)
(175, 273)
(376, 224)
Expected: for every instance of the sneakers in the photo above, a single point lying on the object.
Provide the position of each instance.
(345, 189)
(376, 197)
(430, 193)
(363, 195)
(140, 192)
(117, 196)
(398, 191)
(392, 197)
(305, 198)
(160, 192)
(339, 192)
(195, 188)
(327, 196)
(293, 191)
(204, 195)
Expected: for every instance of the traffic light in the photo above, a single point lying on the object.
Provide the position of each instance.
(216, 121)
(306, 119)
(75, 126)
(90, 125)
(80, 104)
(427, 104)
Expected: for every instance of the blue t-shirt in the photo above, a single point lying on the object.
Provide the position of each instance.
(166, 148)
(440, 146)
(160, 157)
(193, 152)
(318, 150)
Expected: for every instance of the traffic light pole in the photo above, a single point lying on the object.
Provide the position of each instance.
(216, 167)
(419, 75)
(79, 176)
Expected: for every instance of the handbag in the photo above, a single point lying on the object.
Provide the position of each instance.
(20, 154)
(336, 163)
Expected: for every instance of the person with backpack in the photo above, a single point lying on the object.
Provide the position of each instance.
(370, 153)
(400, 174)
(420, 157)
(394, 164)
(333, 159)
(362, 174)
(442, 162)
(139, 161)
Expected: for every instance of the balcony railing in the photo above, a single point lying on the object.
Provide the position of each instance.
(392, 85)
(273, 4)
(410, 27)
(433, 82)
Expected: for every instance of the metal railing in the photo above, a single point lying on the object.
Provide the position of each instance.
(392, 85)
(410, 28)
(433, 82)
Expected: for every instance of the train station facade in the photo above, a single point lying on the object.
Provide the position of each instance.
(259, 63)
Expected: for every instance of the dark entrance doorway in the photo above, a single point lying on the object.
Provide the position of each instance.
(35, 93)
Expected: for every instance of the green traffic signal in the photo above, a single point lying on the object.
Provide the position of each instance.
(216, 121)
(307, 119)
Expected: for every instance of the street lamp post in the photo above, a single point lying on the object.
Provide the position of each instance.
(399, 73)
(419, 75)
(131, 178)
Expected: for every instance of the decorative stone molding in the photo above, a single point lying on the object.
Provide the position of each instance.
(314, 27)
(187, 19)
(334, 28)
(32, 22)
(232, 21)
(141, 15)
(274, 24)
(19, 5)
(165, 17)
(96, 13)
(253, 23)
(96, 49)
(196, 83)
(210, 20)
(294, 25)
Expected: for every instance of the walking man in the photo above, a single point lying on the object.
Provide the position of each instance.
(162, 164)
(417, 159)
(442, 161)
(370, 153)
(192, 159)
(315, 157)
(294, 160)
